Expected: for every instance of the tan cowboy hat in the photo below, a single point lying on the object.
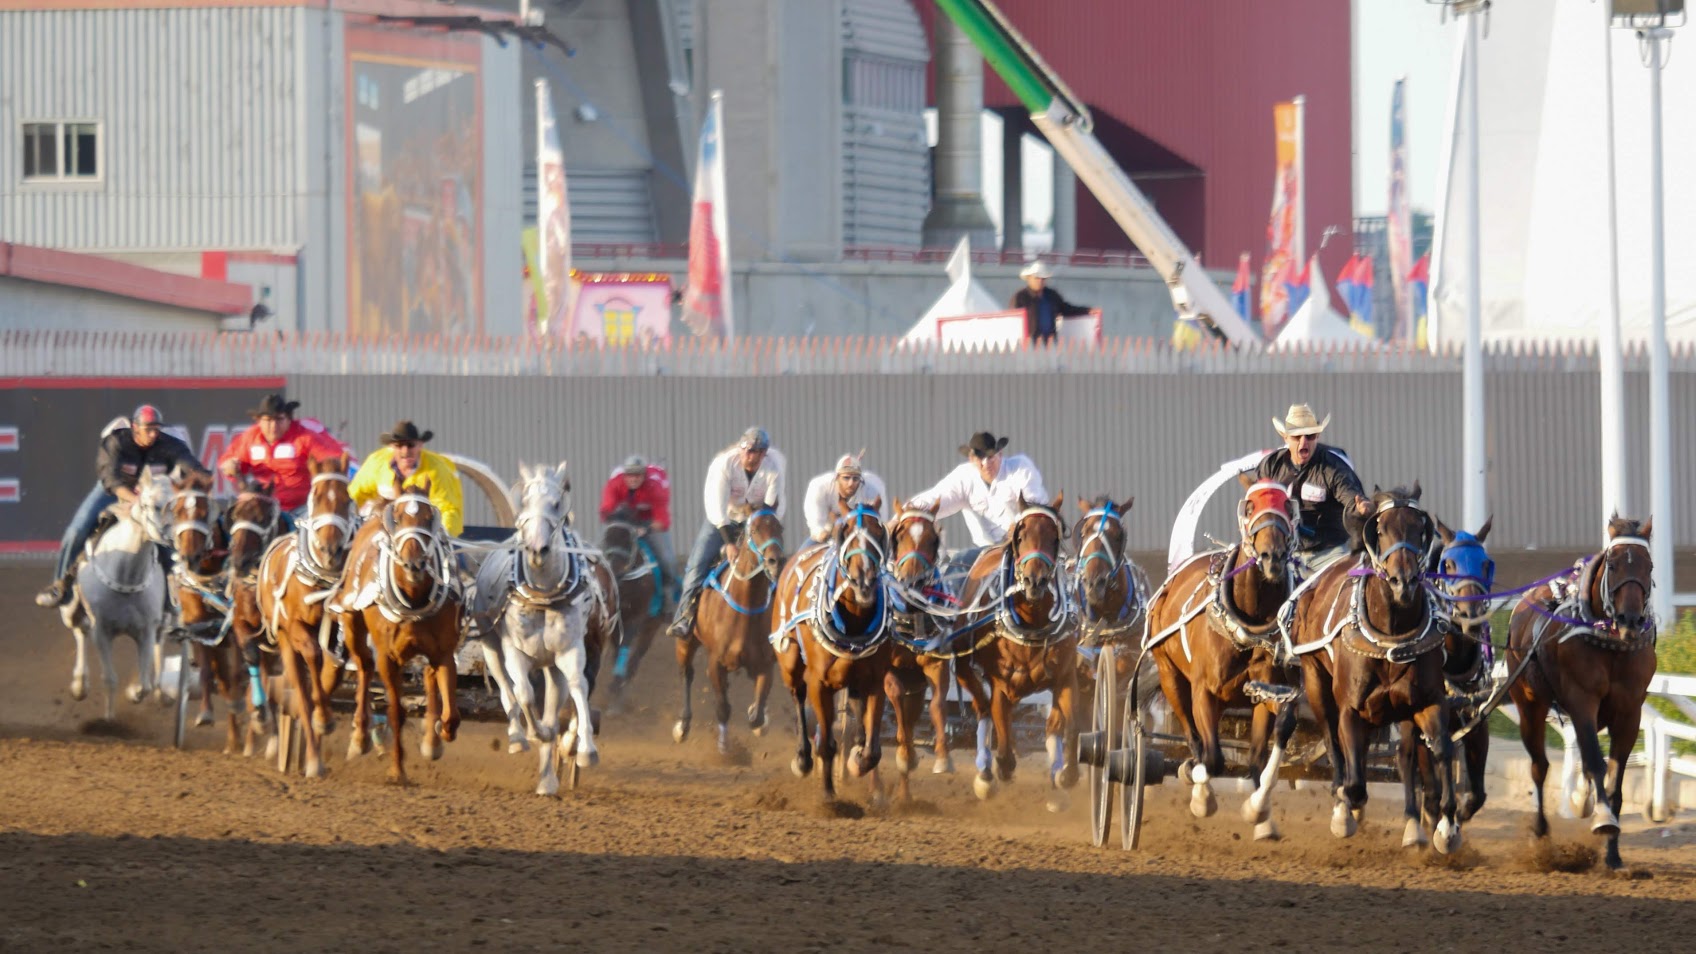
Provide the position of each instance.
(1300, 420)
(850, 464)
(1036, 270)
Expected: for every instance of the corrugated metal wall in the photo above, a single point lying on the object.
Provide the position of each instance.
(885, 158)
(1152, 436)
(198, 117)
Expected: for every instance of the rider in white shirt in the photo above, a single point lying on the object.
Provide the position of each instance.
(848, 486)
(742, 479)
(986, 488)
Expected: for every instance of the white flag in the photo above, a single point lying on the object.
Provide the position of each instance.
(707, 306)
(553, 215)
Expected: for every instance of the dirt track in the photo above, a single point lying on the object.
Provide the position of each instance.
(111, 840)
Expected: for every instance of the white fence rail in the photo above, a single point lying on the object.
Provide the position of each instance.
(199, 354)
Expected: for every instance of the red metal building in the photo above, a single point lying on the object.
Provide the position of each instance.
(1182, 94)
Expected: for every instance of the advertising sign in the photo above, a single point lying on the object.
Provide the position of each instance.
(620, 309)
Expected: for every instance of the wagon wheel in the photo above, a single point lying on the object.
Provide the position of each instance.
(185, 658)
(1135, 740)
(1103, 727)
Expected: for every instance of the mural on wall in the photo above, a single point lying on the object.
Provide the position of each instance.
(415, 184)
(620, 309)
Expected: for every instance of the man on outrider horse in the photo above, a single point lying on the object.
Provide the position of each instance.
(403, 448)
(275, 450)
(1323, 481)
(126, 449)
(743, 478)
(644, 490)
(848, 486)
(986, 488)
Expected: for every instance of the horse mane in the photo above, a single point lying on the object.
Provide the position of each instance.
(624, 513)
(1398, 494)
(1624, 527)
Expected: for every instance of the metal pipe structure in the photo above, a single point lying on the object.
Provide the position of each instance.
(1660, 422)
(958, 208)
(1474, 461)
(1609, 360)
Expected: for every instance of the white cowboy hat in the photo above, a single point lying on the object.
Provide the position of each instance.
(1300, 420)
(1037, 270)
(850, 464)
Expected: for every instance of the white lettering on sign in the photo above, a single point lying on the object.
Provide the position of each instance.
(1313, 493)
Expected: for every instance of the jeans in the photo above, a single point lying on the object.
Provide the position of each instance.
(660, 540)
(703, 556)
(82, 524)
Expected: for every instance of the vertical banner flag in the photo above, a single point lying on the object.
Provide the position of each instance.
(1400, 218)
(1240, 289)
(1355, 285)
(1277, 272)
(1418, 287)
(553, 214)
(1298, 287)
(707, 308)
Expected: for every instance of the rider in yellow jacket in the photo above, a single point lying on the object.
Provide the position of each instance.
(403, 448)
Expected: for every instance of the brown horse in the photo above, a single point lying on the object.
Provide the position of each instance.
(922, 612)
(1223, 608)
(399, 598)
(1588, 649)
(1371, 641)
(202, 549)
(639, 598)
(1025, 643)
(732, 624)
(297, 576)
(831, 630)
(253, 521)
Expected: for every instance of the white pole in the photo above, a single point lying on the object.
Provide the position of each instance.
(1660, 423)
(1610, 363)
(1298, 250)
(1476, 507)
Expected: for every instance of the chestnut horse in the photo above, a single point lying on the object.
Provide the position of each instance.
(1462, 575)
(732, 625)
(399, 598)
(1588, 649)
(831, 633)
(297, 576)
(1371, 644)
(920, 614)
(202, 547)
(1223, 608)
(640, 578)
(1026, 643)
(253, 521)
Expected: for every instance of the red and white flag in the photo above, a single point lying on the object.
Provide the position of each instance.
(706, 304)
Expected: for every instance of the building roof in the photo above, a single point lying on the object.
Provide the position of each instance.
(393, 8)
(92, 272)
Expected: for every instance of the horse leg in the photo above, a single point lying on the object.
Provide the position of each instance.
(1533, 731)
(359, 741)
(447, 685)
(1606, 820)
(1210, 760)
(388, 669)
(984, 784)
(1281, 724)
(518, 667)
(574, 664)
(1175, 685)
(1352, 736)
(895, 691)
(549, 748)
(79, 668)
(1476, 750)
(1316, 684)
(294, 672)
(936, 674)
(516, 738)
(719, 678)
(802, 765)
(1408, 766)
(1065, 772)
(757, 717)
(1001, 711)
(872, 724)
(823, 701)
(146, 660)
(203, 659)
(686, 666)
(1622, 737)
(1433, 722)
(429, 734)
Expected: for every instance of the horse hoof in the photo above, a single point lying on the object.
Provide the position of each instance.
(679, 732)
(800, 766)
(1606, 825)
(1256, 809)
(1413, 835)
(544, 734)
(879, 801)
(757, 720)
(321, 725)
(1447, 838)
(1267, 831)
(313, 769)
(135, 693)
(357, 746)
(202, 720)
(1068, 777)
(903, 764)
(1203, 803)
(548, 787)
(79, 691)
(271, 746)
(1057, 802)
(857, 761)
(983, 787)
(1342, 822)
(943, 766)
(515, 746)
(588, 759)
(1186, 768)
(430, 749)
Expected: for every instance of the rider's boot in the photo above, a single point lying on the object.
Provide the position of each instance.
(684, 621)
(55, 594)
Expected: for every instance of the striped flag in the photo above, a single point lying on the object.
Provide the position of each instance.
(707, 302)
(1298, 287)
(1418, 289)
(1399, 224)
(553, 217)
(1354, 283)
(1241, 289)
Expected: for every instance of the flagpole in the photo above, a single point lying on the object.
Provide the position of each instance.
(1610, 362)
(1660, 423)
(1298, 248)
(721, 218)
(1476, 508)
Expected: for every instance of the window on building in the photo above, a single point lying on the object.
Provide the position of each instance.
(61, 151)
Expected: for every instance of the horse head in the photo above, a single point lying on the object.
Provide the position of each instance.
(861, 543)
(1034, 542)
(1465, 576)
(1399, 537)
(1620, 589)
(414, 528)
(191, 517)
(620, 534)
(1268, 519)
(1100, 541)
(253, 522)
(917, 544)
(329, 513)
(763, 539)
(542, 510)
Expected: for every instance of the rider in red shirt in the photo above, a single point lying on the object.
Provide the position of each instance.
(275, 450)
(645, 489)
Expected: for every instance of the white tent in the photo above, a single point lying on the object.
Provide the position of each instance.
(1316, 322)
(963, 297)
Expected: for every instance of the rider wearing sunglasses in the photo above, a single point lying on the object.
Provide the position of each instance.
(403, 462)
(849, 485)
(1323, 481)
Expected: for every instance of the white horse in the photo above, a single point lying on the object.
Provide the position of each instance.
(553, 609)
(120, 590)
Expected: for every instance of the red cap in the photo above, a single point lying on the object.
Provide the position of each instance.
(146, 414)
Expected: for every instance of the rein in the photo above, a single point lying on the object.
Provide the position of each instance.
(737, 575)
(390, 601)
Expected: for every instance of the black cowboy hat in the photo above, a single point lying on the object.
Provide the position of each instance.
(274, 405)
(982, 444)
(405, 432)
